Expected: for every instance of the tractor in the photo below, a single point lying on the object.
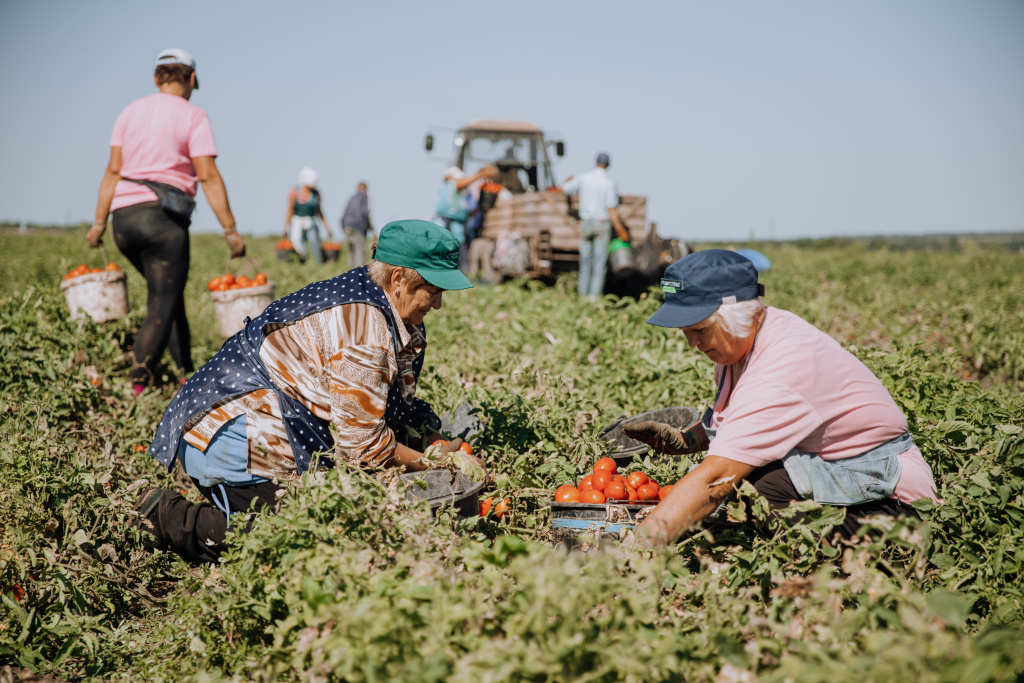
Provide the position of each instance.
(531, 228)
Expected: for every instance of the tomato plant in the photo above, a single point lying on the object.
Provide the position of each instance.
(349, 582)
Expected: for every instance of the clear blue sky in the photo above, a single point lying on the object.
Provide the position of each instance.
(824, 118)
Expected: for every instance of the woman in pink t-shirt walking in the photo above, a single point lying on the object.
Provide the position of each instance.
(796, 415)
(160, 147)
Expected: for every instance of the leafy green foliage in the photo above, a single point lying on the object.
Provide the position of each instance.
(350, 583)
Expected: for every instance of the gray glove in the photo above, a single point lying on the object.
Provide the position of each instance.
(661, 437)
(451, 457)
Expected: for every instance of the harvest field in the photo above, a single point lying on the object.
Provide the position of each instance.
(349, 584)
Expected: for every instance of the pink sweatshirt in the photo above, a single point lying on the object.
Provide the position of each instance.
(802, 390)
(159, 135)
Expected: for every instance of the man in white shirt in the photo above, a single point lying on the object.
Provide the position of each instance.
(599, 199)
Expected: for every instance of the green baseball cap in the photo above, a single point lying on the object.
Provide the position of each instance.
(427, 248)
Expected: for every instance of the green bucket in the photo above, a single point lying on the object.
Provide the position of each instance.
(620, 257)
(617, 244)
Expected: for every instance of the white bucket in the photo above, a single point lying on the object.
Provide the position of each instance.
(101, 296)
(235, 305)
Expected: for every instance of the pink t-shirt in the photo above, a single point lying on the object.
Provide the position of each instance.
(802, 390)
(159, 135)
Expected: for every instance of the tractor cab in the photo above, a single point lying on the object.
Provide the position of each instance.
(519, 150)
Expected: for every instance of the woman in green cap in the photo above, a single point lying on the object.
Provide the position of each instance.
(345, 352)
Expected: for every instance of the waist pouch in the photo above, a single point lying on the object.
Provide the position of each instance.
(872, 475)
(173, 201)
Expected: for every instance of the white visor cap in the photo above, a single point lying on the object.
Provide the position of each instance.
(308, 176)
(175, 55)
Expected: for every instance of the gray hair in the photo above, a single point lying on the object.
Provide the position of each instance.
(380, 273)
(737, 319)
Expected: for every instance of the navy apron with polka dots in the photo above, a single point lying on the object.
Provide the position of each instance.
(237, 370)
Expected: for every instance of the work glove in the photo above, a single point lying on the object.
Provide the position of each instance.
(449, 456)
(661, 437)
(235, 243)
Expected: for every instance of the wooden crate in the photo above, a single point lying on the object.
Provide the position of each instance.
(529, 213)
(543, 219)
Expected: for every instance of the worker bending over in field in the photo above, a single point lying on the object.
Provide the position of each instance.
(796, 415)
(346, 351)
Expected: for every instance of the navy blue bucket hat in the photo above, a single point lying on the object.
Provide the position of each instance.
(696, 285)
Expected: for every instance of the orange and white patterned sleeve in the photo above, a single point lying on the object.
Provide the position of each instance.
(360, 374)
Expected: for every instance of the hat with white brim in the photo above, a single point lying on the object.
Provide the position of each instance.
(175, 55)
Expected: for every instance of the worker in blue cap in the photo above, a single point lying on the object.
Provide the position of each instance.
(599, 215)
(796, 415)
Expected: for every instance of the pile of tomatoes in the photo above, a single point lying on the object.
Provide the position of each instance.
(284, 245)
(229, 281)
(83, 269)
(605, 484)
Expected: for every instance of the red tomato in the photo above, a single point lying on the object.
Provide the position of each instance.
(228, 279)
(261, 278)
(601, 480)
(591, 496)
(499, 510)
(213, 284)
(587, 483)
(567, 493)
(647, 492)
(615, 491)
(466, 448)
(113, 267)
(637, 479)
(243, 280)
(631, 492)
(606, 464)
(663, 491)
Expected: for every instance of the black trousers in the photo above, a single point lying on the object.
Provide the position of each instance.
(773, 482)
(196, 531)
(158, 246)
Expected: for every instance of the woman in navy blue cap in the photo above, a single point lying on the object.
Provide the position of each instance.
(795, 414)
